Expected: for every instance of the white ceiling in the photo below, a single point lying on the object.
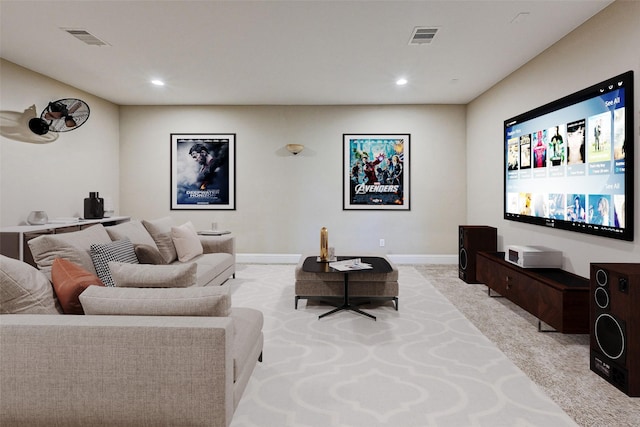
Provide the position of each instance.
(284, 52)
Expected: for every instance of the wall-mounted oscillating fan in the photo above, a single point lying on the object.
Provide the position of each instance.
(62, 115)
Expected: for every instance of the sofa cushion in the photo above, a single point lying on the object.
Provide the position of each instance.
(69, 281)
(186, 241)
(103, 253)
(160, 231)
(210, 266)
(147, 254)
(153, 276)
(214, 244)
(24, 289)
(74, 246)
(193, 301)
(134, 231)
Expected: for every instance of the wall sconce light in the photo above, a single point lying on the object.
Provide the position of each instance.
(295, 148)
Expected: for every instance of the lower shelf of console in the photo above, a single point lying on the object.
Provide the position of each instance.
(556, 297)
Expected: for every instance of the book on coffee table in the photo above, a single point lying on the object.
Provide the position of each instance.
(213, 233)
(350, 265)
(64, 220)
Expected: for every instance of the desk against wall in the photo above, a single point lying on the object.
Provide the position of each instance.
(13, 239)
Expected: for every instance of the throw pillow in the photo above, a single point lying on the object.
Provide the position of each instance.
(185, 239)
(160, 230)
(132, 230)
(120, 251)
(24, 289)
(69, 281)
(153, 276)
(148, 254)
(74, 246)
(193, 301)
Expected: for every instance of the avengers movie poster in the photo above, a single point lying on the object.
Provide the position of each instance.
(203, 171)
(376, 171)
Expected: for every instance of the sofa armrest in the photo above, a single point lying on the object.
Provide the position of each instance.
(217, 244)
(124, 370)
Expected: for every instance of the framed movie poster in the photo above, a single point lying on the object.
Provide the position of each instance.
(203, 171)
(376, 172)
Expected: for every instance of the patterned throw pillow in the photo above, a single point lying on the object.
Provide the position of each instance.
(118, 251)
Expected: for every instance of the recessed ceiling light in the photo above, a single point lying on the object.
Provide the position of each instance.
(157, 82)
(401, 82)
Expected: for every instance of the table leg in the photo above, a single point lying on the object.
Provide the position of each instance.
(346, 305)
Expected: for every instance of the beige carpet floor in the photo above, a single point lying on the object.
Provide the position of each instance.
(557, 363)
(425, 365)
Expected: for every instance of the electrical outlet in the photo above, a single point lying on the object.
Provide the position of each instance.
(381, 243)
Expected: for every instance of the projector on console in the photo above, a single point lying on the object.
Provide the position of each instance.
(533, 256)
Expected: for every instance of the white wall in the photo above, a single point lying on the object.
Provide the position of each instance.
(603, 47)
(54, 177)
(282, 200)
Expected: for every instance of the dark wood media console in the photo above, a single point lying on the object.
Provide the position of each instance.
(556, 297)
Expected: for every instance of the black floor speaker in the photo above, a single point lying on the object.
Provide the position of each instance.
(471, 240)
(615, 325)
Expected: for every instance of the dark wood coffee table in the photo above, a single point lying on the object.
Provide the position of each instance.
(378, 264)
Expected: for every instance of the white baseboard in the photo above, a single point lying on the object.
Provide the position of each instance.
(268, 258)
(424, 259)
(294, 258)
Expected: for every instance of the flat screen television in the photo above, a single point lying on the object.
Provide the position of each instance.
(569, 164)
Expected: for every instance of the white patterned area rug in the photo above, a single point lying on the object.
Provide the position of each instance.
(424, 365)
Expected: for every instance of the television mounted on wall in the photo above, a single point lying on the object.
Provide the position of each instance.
(569, 164)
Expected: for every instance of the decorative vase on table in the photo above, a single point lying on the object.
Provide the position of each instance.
(324, 244)
(37, 218)
(108, 207)
(93, 206)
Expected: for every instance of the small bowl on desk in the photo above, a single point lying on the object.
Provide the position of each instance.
(37, 218)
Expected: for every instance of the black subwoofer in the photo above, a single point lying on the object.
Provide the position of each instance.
(615, 324)
(471, 240)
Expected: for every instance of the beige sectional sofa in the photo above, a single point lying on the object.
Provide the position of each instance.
(152, 242)
(138, 356)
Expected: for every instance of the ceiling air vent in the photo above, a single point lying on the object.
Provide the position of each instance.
(423, 35)
(85, 37)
